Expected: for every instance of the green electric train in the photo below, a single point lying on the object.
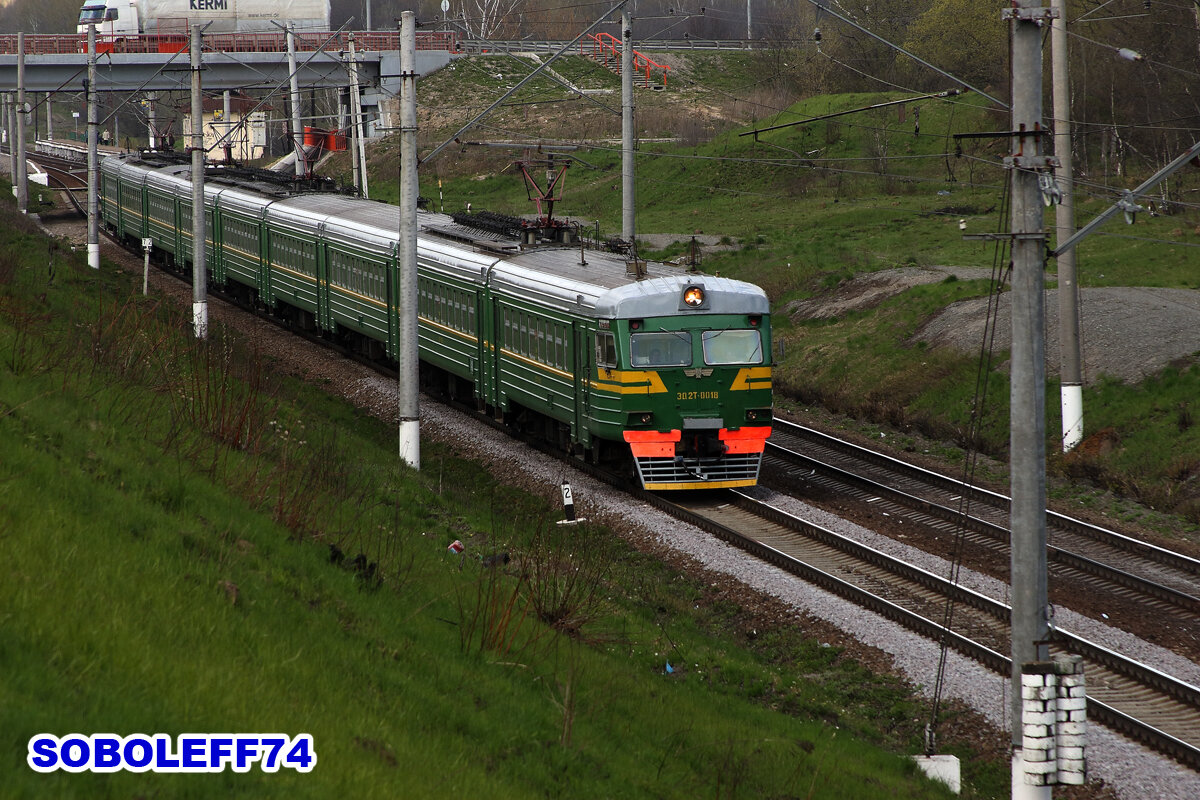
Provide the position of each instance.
(667, 369)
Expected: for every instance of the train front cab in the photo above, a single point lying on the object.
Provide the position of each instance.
(690, 364)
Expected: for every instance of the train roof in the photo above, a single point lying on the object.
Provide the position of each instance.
(591, 282)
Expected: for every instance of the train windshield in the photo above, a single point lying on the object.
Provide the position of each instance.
(732, 347)
(665, 349)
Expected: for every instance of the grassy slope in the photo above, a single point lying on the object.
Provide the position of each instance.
(803, 231)
(158, 504)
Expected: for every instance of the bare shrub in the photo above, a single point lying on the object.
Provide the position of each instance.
(493, 617)
(567, 568)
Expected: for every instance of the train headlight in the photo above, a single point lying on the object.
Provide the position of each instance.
(693, 296)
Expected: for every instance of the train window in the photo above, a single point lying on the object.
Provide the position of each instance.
(606, 351)
(732, 347)
(665, 349)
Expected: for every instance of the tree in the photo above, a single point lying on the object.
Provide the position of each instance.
(40, 16)
(966, 38)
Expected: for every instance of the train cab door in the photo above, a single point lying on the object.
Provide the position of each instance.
(262, 280)
(480, 367)
(392, 281)
(582, 369)
(321, 271)
(493, 356)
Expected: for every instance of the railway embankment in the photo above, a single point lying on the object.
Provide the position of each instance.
(184, 526)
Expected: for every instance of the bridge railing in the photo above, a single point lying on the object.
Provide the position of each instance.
(605, 48)
(256, 42)
(475, 46)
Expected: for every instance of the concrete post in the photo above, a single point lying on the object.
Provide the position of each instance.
(21, 177)
(1071, 370)
(410, 430)
(199, 256)
(226, 135)
(628, 199)
(93, 135)
(151, 120)
(359, 155)
(294, 94)
(1027, 427)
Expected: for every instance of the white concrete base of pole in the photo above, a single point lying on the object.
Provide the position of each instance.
(1072, 416)
(946, 769)
(94, 255)
(410, 443)
(200, 319)
(1022, 790)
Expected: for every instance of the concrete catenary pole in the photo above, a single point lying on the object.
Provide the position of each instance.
(151, 119)
(1027, 426)
(9, 134)
(294, 99)
(1071, 370)
(227, 128)
(628, 226)
(93, 136)
(199, 256)
(50, 116)
(406, 353)
(359, 156)
(352, 72)
(22, 174)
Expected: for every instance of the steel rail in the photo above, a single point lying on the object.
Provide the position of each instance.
(1162, 555)
(1108, 666)
(999, 533)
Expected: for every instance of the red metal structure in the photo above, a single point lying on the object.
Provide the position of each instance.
(605, 49)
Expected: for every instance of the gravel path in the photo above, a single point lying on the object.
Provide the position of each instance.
(1131, 770)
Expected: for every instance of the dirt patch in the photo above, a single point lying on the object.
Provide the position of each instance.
(1128, 333)
(869, 290)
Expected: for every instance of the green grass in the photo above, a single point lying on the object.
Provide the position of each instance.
(166, 509)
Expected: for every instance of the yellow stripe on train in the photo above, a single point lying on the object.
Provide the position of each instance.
(630, 381)
(751, 378)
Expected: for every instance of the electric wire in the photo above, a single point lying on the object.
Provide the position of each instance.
(1001, 269)
(1144, 59)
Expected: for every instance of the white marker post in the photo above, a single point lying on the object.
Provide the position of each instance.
(147, 243)
(569, 506)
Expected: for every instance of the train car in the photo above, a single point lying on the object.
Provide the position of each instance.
(666, 369)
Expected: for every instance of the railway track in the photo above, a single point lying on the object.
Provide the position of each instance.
(1133, 698)
(1148, 590)
(63, 174)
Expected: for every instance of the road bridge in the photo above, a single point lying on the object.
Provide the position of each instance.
(58, 63)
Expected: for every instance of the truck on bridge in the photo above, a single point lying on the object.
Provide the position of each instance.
(116, 19)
